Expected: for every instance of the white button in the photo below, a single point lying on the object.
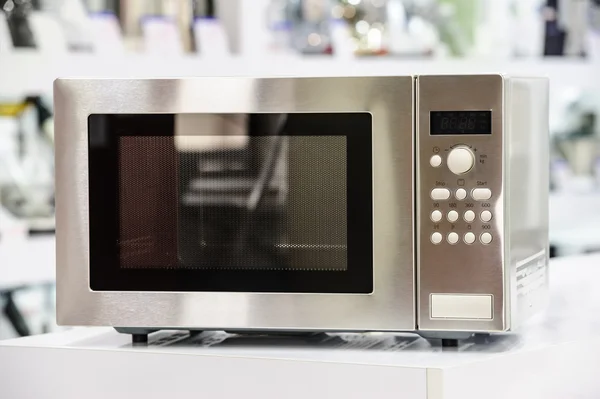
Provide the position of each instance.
(469, 216)
(436, 216)
(440, 194)
(460, 160)
(481, 194)
(486, 216)
(435, 161)
(452, 238)
(486, 238)
(461, 194)
(452, 216)
(436, 238)
(469, 238)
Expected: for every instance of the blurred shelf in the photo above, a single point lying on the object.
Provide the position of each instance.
(30, 72)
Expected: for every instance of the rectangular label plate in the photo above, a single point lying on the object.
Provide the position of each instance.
(449, 306)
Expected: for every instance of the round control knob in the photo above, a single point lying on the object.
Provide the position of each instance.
(461, 160)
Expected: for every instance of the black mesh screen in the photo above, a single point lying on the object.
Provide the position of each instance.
(148, 197)
(256, 202)
(265, 202)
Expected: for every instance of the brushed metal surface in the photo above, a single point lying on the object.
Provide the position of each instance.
(391, 306)
(461, 268)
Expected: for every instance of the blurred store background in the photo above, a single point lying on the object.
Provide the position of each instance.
(44, 39)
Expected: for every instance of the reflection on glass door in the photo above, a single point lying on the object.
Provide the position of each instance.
(234, 193)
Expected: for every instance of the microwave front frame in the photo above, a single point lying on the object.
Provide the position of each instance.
(391, 305)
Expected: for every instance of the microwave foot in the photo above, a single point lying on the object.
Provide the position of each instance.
(449, 343)
(450, 339)
(139, 336)
(139, 339)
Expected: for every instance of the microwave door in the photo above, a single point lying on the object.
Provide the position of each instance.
(278, 204)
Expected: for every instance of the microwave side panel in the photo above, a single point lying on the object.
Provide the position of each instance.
(460, 204)
(527, 180)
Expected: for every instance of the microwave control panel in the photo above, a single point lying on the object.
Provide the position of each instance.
(459, 130)
(460, 160)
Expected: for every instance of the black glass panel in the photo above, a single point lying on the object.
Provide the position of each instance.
(461, 122)
(231, 202)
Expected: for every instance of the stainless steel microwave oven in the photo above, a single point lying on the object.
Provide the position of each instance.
(406, 203)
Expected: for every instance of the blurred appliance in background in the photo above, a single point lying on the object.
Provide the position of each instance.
(104, 26)
(204, 8)
(576, 143)
(594, 34)
(302, 204)
(112, 6)
(49, 33)
(434, 27)
(441, 26)
(161, 35)
(495, 21)
(403, 27)
(567, 25)
(27, 164)
(532, 26)
(28, 310)
(208, 34)
(74, 21)
(366, 20)
(160, 30)
(155, 26)
(18, 18)
(106, 33)
(278, 28)
(573, 15)
(6, 42)
(53, 26)
(309, 21)
(454, 22)
(579, 146)
(396, 26)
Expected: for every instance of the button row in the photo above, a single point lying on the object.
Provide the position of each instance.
(478, 194)
(469, 216)
(468, 238)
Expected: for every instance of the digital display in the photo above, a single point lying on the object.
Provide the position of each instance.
(461, 122)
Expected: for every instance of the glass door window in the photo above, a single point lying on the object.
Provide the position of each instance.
(231, 202)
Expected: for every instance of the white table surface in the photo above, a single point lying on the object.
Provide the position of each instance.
(557, 355)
